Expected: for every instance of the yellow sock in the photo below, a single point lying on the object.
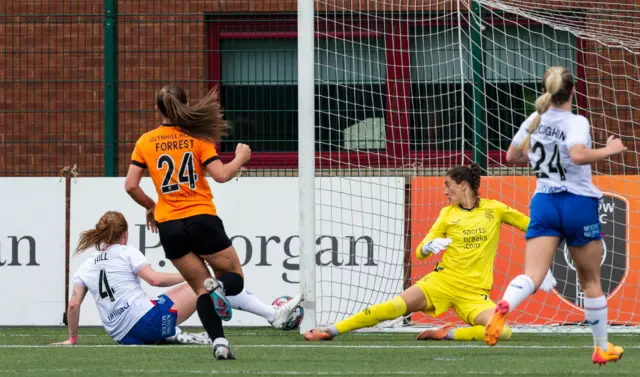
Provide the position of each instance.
(391, 309)
(506, 333)
(477, 333)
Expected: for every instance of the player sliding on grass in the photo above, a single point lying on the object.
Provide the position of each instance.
(469, 231)
(112, 275)
(178, 155)
(565, 206)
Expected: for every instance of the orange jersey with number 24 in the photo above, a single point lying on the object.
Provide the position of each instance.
(176, 164)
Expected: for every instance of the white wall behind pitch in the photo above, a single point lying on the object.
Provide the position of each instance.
(261, 217)
(32, 251)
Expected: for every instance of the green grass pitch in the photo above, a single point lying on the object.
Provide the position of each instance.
(266, 352)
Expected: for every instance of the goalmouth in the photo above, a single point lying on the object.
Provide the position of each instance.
(435, 84)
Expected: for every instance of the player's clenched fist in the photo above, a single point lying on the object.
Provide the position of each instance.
(435, 246)
(243, 152)
(614, 145)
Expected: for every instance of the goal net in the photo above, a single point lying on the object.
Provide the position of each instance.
(406, 90)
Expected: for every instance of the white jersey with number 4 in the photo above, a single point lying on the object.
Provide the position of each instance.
(559, 130)
(110, 276)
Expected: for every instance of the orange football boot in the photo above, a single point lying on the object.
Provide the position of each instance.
(318, 335)
(436, 334)
(612, 353)
(494, 327)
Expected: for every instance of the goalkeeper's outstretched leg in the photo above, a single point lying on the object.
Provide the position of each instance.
(451, 332)
(466, 285)
(411, 300)
(474, 332)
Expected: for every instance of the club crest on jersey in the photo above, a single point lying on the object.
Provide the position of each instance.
(489, 214)
(160, 300)
(614, 263)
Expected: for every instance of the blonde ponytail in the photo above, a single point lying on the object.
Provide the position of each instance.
(558, 85)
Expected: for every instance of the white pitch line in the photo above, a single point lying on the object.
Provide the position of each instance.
(298, 346)
(39, 335)
(358, 334)
(296, 373)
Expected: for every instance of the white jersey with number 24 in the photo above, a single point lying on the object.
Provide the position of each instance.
(110, 276)
(559, 130)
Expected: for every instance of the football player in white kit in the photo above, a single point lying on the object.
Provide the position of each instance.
(112, 275)
(557, 143)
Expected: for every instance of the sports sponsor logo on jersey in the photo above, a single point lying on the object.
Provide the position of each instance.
(613, 212)
(116, 313)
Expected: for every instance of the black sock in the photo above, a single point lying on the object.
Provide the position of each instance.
(233, 283)
(210, 320)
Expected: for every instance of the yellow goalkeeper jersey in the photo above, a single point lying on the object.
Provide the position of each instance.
(475, 234)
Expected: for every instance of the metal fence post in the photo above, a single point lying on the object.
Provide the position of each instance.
(479, 115)
(111, 88)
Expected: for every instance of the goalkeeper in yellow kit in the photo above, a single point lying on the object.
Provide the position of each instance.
(469, 229)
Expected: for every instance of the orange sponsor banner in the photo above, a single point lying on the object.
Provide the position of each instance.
(620, 267)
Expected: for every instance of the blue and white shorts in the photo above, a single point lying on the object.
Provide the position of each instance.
(569, 216)
(158, 324)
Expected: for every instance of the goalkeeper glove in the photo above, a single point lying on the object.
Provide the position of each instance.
(435, 246)
(549, 282)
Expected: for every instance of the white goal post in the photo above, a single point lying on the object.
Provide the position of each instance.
(392, 94)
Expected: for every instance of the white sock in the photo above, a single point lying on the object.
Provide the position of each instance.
(247, 302)
(595, 312)
(518, 290)
(221, 341)
(450, 335)
(173, 339)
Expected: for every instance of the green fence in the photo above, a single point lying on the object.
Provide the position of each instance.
(51, 87)
(78, 80)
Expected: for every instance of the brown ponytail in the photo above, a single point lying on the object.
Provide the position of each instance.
(107, 232)
(203, 120)
(557, 84)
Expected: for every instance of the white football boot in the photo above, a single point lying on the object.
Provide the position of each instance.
(182, 337)
(221, 350)
(285, 313)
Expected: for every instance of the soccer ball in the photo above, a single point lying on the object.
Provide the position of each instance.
(295, 322)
